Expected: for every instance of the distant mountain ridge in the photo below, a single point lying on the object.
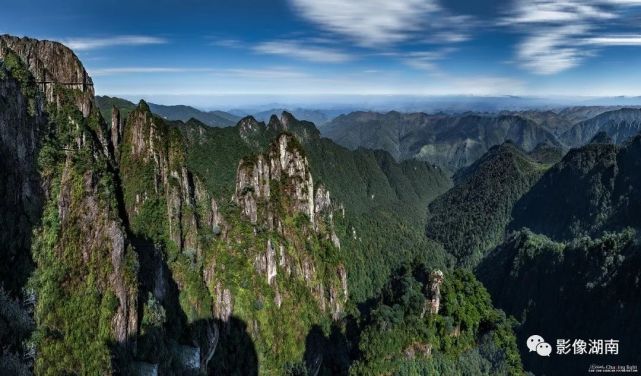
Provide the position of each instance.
(452, 141)
(319, 117)
(174, 112)
(619, 125)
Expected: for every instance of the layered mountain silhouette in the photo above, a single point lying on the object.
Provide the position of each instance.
(454, 141)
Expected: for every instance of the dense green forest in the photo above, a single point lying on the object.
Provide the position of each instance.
(596, 188)
(471, 218)
(584, 289)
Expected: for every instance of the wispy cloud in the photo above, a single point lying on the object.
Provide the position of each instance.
(303, 51)
(85, 44)
(427, 60)
(274, 73)
(262, 73)
(369, 22)
(382, 23)
(560, 34)
(553, 49)
(143, 70)
(616, 40)
(227, 43)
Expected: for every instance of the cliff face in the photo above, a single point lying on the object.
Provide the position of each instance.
(266, 256)
(153, 166)
(277, 186)
(60, 161)
(54, 63)
(285, 165)
(19, 180)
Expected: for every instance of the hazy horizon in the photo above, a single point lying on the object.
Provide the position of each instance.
(402, 103)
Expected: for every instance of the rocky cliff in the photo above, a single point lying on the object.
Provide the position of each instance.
(202, 251)
(50, 64)
(277, 186)
(82, 262)
(20, 187)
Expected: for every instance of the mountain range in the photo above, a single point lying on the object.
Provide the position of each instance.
(158, 240)
(456, 141)
(177, 112)
(142, 245)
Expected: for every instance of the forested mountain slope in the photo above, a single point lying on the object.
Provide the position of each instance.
(594, 188)
(585, 289)
(381, 201)
(472, 217)
(574, 272)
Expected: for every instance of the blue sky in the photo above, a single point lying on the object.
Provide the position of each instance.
(225, 51)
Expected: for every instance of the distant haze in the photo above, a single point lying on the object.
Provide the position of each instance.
(250, 104)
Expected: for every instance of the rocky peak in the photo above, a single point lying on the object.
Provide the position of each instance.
(285, 165)
(154, 146)
(249, 128)
(144, 131)
(287, 118)
(271, 189)
(52, 62)
(275, 124)
(303, 130)
(285, 161)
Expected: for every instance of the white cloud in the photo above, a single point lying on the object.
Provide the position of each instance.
(142, 70)
(560, 34)
(371, 22)
(616, 40)
(263, 73)
(427, 60)
(552, 50)
(85, 44)
(303, 51)
(228, 43)
(250, 73)
(554, 11)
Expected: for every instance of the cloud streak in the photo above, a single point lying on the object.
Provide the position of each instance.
(560, 34)
(427, 60)
(302, 51)
(262, 73)
(371, 22)
(380, 24)
(86, 44)
(143, 70)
